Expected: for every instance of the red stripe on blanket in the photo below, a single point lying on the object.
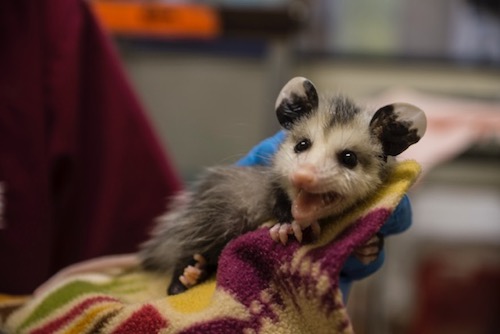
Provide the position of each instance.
(145, 320)
(56, 324)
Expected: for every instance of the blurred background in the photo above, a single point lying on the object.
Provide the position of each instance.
(208, 73)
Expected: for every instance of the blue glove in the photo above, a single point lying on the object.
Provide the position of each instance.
(263, 152)
(353, 269)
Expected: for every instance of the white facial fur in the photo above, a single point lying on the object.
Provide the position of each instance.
(321, 161)
(336, 153)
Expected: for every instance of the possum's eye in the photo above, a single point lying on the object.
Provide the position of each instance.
(302, 146)
(348, 158)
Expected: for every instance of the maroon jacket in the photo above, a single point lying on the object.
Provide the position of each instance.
(81, 170)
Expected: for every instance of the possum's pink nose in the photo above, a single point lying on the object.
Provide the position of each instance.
(304, 177)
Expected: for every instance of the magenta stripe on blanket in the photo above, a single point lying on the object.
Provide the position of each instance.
(333, 255)
(221, 326)
(146, 320)
(56, 324)
(249, 262)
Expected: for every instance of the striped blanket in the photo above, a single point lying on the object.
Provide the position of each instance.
(261, 286)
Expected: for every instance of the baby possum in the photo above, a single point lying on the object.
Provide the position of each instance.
(334, 154)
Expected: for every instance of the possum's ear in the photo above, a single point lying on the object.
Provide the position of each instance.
(298, 98)
(398, 126)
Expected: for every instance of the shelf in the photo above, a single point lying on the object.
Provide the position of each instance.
(151, 19)
(157, 19)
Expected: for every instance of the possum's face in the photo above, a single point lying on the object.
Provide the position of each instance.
(336, 153)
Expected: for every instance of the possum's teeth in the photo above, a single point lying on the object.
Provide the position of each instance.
(307, 206)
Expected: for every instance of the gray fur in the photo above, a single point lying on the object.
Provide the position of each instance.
(226, 202)
(229, 201)
(342, 110)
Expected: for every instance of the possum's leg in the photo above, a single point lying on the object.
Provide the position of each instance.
(189, 273)
(176, 285)
(196, 269)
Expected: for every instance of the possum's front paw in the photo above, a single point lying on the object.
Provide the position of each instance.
(193, 274)
(281, 231)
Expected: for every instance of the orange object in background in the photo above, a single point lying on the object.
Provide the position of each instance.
(155, 19)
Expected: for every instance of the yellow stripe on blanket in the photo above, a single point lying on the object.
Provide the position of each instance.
(194, 299)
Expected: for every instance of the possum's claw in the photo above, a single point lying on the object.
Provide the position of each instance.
(297, 231)
(284, 230)
(192, 274)
(274, 232)
(280, 232)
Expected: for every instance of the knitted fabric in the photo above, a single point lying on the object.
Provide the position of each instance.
(260, 287)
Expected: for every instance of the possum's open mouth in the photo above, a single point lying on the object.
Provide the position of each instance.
(308, 207)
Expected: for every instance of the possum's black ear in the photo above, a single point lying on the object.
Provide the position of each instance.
(298, 98)
(398, 126)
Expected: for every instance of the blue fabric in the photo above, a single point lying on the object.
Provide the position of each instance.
(263, 152)
(353, 269)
